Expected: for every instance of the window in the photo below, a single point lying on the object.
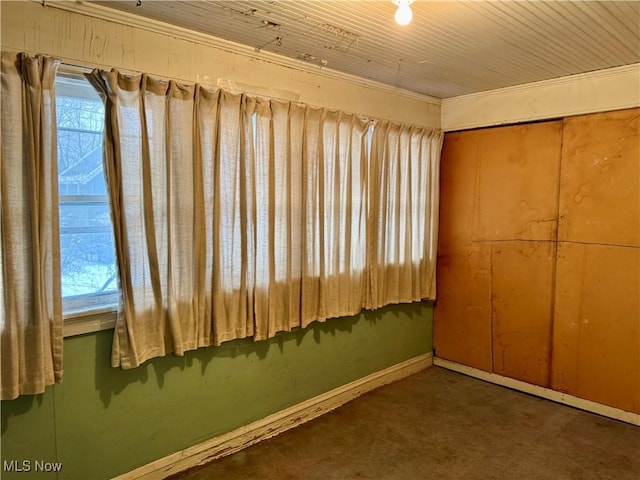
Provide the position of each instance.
(89, 276)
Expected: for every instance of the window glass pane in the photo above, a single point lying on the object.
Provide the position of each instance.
(86, 236)
(86, 243)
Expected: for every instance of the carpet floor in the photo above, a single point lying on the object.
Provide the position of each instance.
(441, 425)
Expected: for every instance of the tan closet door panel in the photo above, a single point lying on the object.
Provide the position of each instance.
(521, 295)
(458, 178)
(600, 178)
(596, 338)
(462, 317)
(517, 194)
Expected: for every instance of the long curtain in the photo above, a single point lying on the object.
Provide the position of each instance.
(241, 217)
(30, 284)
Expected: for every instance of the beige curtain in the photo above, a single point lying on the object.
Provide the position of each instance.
(236, 216)
(276, 218)
(335, 210)
(161, 148)
(30, 291)
(403, 226)
(310, 212)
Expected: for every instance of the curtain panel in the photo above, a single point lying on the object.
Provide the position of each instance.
(30, 284)
(241, 217)
(405, 176)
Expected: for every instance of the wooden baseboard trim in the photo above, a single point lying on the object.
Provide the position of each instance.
(272, 425)
(553, 395)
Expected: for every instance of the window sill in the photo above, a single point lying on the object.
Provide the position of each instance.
(79, 324)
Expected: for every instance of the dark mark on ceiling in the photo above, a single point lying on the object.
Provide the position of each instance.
(250, 12)
(270, 24)
(337, 31)
(307, 57)
(345, 39)
(277, 41)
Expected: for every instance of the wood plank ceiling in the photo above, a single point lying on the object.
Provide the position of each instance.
(449, 49)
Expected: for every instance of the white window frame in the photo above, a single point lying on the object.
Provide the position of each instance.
(86, 318)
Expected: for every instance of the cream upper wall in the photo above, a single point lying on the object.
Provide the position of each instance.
(600, 91)
(95, 42)
(123, 41)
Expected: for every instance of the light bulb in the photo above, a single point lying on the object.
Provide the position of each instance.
(404, 14)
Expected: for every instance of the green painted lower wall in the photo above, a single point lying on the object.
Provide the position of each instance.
(103, 421)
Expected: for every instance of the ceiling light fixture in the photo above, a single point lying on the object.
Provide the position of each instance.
(404, 14)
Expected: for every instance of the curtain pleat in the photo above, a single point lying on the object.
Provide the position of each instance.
(30, 288)
(231, 312)
(205, 147)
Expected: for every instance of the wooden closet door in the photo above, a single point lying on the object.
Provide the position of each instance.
(539, 254)
(498, 225)
(596, 338)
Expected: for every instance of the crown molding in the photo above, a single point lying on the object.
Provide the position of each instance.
(155, 26)
(568, 80)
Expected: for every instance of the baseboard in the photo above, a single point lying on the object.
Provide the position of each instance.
(279, 422)
(553, 395)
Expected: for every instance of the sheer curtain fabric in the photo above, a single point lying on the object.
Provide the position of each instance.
(405, 162)
(30, 290)
(237, 216)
